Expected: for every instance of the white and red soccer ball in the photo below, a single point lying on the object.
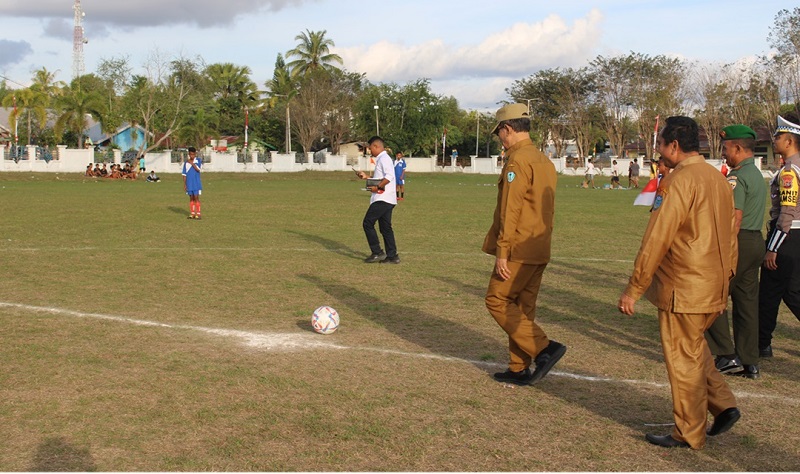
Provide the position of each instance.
(325, 320)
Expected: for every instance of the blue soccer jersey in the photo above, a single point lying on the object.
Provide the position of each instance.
(193, 183)
(399, 168)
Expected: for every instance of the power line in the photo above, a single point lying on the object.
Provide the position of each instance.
(12, 80)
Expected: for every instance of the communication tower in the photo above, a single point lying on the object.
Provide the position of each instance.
(78, 40)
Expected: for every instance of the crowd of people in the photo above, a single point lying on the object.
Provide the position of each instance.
(116, 171)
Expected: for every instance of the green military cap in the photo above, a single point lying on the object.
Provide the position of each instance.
(737, 132)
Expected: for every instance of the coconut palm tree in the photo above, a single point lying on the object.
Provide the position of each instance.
(234, 92)
(74, 105)
(313, 52)
(28, 101)
(230, 80)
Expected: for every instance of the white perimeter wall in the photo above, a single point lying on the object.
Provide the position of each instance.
(75, 161)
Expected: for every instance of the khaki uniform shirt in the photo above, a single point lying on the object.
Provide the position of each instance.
(523, 219)
(784, 195)
(689, 251)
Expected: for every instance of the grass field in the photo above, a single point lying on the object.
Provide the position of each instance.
(134, 339)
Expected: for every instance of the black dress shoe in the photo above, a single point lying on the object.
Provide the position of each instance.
(749, 372)
(546, 359)
(724, 421)
(727, 364)
(666, 441)
(523, 377)
(766, 352)
(375, 258)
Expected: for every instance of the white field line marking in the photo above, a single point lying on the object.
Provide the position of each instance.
(282, 250)
(293, 341)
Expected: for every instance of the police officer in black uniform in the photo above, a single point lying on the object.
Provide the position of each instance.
(780, 274)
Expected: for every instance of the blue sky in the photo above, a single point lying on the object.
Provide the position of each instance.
(470, 49)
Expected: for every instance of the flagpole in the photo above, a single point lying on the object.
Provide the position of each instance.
(444, 146)
(16, 125)
(655, 137)
(246, 124)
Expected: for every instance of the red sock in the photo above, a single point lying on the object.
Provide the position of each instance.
(191, 207)
(198, 207)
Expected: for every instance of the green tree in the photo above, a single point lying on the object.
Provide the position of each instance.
(658, 88)
(196, 128)
(785, 38)
(345, 90)
(411, 117)
(276, 111)
(234, 92)
(542, 92)
(73, 105)
(157, 100)
(312, 53)
(115, 73)
(310, 106)
(614, 94)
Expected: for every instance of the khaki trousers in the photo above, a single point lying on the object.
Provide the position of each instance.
(697, 386)
(512, 303)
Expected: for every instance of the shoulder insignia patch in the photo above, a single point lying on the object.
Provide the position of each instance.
(789, 188)
(510, 176)
(658, 201)
(732, 181)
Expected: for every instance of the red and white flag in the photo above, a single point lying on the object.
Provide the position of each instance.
(648, 195)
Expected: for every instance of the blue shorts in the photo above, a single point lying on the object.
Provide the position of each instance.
(194, 192)
(400, 182)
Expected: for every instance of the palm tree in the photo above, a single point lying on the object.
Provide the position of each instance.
(196, 129)
(312, 53)
(30, 101)
(74, 105)
(45, 82)
(230, 80)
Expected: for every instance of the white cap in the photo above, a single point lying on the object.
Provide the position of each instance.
(785, 126)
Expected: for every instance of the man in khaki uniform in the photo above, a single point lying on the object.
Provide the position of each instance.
(687, 258)
(520, 241)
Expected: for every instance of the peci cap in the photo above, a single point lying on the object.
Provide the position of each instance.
(785, 126)
(737, 132)
(510, 112)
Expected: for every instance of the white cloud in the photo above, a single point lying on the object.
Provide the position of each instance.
(518, 50)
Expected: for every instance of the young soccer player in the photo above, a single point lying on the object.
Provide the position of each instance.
(191, 182)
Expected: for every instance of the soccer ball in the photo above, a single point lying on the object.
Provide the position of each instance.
(325, 320)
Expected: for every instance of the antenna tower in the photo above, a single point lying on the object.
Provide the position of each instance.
(78, 40)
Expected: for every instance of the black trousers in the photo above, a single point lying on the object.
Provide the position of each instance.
(382, 213)
(780, 284)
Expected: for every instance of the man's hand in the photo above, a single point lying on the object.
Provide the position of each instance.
(771, 260)
(501, 268)
(362, 175)
(626, 304)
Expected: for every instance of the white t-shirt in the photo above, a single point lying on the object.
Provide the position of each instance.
(590, 169)
(384, 168)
